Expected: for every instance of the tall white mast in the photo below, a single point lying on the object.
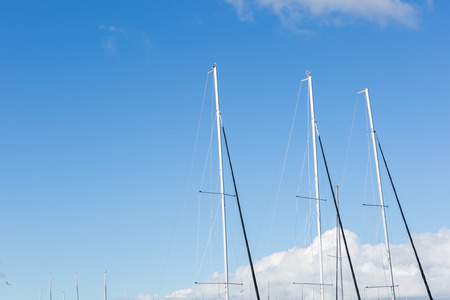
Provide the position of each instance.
(104, 290)
(222, 195)
(380, 191)
(316, 182)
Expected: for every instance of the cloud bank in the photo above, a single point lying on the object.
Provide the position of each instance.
(277, 272)
(295, 12)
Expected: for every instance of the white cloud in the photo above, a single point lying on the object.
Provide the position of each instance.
(242, 9)
(143, 297)
(281, 269)
(293, 12)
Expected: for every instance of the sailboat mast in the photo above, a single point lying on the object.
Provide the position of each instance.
(222, 192)
(50, 287)
(338, 251)
(104, 287)
(76, 286)
(380, 191)
(316, 183)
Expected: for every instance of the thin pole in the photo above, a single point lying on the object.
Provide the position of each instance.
(76, 286)
(104, 285)
(240, 215)
(406, 224)
(380, 192)
(50, 287)
(339, 218)
(337, 245)
(316, 184)
(222, 193)
(340, 268)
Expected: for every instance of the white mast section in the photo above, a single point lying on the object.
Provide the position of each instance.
(222, 192)
(76, 286)
(380, 191)
(339, 250)
(316, 182)
(50, 287)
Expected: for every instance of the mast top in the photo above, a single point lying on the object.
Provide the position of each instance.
(308, 75)
(363, 91)
(212, 67)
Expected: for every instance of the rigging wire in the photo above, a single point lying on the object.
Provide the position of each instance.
(338, 215)
(306, 158)
(208, 157)
(240, 214)
(406, 224)
(185, 188)
(283, 167)
(213, 221)
(205, 165)
(349, 141)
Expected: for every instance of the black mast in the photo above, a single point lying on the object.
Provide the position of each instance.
(406, 225)
(338, 216)
(240, 214)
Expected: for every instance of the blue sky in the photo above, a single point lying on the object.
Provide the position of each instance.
(99, 106)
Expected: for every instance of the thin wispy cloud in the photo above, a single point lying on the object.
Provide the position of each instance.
(109, 44)
(295, 13)
(112, 28)
(110, 40)
(278, 271)
(242, 8)
(127, 38)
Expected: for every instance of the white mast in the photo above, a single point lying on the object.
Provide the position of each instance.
(380, 191)
(104, 284)
(50, 287)
(316, 181)
(222, 195)
(339, 251)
